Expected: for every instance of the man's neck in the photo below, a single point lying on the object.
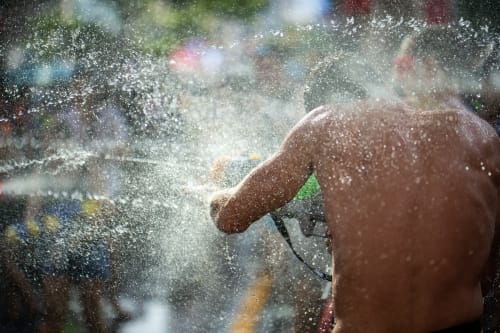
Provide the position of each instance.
(435, 101)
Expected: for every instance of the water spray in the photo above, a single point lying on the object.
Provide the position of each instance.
(306, 207)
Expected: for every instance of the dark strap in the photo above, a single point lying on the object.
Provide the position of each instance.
(280, 225)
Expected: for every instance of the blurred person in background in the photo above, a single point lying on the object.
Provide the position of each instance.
(112, 130)
(20, 308)
(21, 302)
(82, 225)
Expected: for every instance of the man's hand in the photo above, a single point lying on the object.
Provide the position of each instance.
(217, 201)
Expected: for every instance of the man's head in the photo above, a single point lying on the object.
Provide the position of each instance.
(436, 60)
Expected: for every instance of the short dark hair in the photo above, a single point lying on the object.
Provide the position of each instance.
(328, 78)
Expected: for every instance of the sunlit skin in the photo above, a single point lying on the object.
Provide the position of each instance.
(411, 198)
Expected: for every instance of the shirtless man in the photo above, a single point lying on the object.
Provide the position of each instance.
(411, 197)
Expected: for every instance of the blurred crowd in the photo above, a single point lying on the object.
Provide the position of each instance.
(57, 207)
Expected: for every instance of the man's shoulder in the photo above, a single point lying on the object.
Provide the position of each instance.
(473, 122)
(369, 109)
(339, 111)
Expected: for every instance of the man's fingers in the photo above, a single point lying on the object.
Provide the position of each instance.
(217, 201)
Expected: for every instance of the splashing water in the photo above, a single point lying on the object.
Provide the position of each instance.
(240, 97)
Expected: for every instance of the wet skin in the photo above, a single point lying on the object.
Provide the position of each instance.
(411, 198)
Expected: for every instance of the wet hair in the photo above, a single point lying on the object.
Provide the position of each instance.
(329, 78)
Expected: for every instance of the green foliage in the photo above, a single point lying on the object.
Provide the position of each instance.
(55, 35)
(243, 9)
(47, 35)
(156, 26)
(162, 27)
(310, 188)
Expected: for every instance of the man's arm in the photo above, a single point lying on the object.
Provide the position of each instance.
(268, 186)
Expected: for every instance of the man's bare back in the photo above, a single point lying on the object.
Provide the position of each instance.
(411, 197)
(410, 209)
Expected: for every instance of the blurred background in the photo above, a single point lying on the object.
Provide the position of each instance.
(113, 115)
